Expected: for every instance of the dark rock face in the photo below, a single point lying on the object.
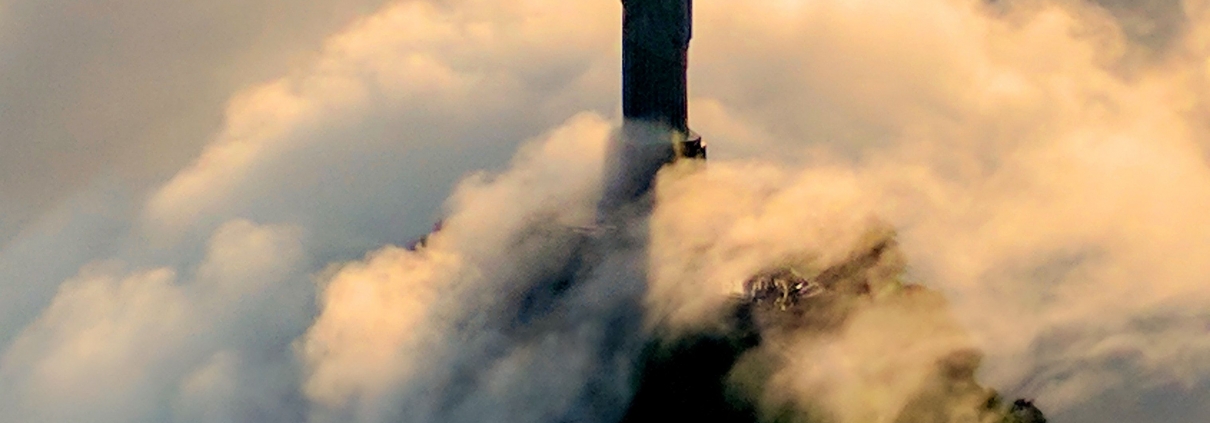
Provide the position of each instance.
(1024, 411)
(716, 375)
(686, 379)
(781, 288)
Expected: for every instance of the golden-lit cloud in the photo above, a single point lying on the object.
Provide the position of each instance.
(1041, 174)
(1053, 194)
(114, 342)
(383, 319)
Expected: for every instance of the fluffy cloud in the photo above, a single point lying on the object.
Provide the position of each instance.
(399, 331)
(353, 151)
(132, 90)
(1049, 190)
(114, 344)
(1040, 173)
(389, 104)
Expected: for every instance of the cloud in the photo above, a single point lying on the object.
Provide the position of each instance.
(1041, 175)
(443, 333)
(132, 90)
(1053, 198)
(389, 103)
(324, 152)
(349, 147)
(114, 343)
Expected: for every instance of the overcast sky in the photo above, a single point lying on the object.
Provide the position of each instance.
(177, 176)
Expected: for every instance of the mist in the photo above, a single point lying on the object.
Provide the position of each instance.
(1039, 165)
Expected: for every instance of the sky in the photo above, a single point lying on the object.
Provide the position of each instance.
(199, 199)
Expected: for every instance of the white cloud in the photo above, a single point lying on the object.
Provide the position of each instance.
(1052, 195)
(395, 323)
(114, 342)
